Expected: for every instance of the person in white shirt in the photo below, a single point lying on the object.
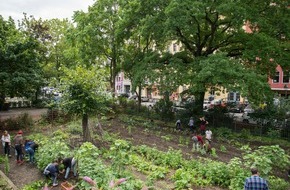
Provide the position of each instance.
(208, 135)
(208, 138)
(6, 142)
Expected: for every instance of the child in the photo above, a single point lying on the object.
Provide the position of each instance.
(6, 142)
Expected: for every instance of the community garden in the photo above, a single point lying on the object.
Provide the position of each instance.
(133, 152)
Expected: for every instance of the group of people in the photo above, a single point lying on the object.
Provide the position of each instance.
(52, 169)
(255, 182)
(197, 134)
(19, 145)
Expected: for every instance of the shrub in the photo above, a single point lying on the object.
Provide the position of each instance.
(20, 122)
(277, 183)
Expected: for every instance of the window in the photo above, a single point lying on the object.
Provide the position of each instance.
(276, 77)
(286, 76)
(234, 96)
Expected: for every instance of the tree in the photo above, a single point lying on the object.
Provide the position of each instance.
(84, 93)
(97, 35)
(217, 52)
(20, 72)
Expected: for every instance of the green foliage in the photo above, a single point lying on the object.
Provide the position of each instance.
(59, 135)
(245, 134)
(2, 159)
(274, 133)
(237, 172)
(164, 109)
(20, 71)
(266, 158)
(223, 148)
(51, 149)
(35, 185)
(223, 133)
(90, 164)
(6, 165)
(277, 183)
(119, 153)
(74, 127)
(84, 90)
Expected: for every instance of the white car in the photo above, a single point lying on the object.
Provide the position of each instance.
(249, 109)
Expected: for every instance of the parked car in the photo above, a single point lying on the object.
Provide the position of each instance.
(144, 99)
(133, 97)
(249, 109)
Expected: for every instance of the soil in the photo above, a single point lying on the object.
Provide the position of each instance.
(27, 173)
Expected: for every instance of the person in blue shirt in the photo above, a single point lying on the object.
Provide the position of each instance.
(255, 182)
(52, 171)
(30, 148)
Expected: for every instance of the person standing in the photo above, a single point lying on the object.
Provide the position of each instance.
(208, 138)
(178, 125)
(69, 164)
(18, 143)
(6, 142)
(191, 124)
(203, 124)
(255, 182)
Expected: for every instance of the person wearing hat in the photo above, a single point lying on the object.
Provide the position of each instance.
(6, 143)
(18, 143)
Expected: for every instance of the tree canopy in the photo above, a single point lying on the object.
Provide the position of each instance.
(20, 71)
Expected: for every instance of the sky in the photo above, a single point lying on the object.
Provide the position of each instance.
(46, 9)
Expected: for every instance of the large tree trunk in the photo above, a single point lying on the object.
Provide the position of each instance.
(86, 131)
(2, 101)
(139, 97)
(199, 98)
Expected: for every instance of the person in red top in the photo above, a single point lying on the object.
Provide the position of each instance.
(197, 141)
(18, 143)
(203, 124)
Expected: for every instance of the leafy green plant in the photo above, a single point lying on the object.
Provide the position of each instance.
(51, 151)
(74, 128)
(223, 148)
(6, 165)
(35, 185)
(277, 183)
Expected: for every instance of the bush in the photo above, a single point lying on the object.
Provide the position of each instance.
(277, 183)
(20, 122)
(164, 109)
(56, 115)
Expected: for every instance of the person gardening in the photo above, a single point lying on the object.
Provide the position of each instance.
(52, 171)
(69, 164)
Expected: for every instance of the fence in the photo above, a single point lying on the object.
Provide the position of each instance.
(282, 132)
